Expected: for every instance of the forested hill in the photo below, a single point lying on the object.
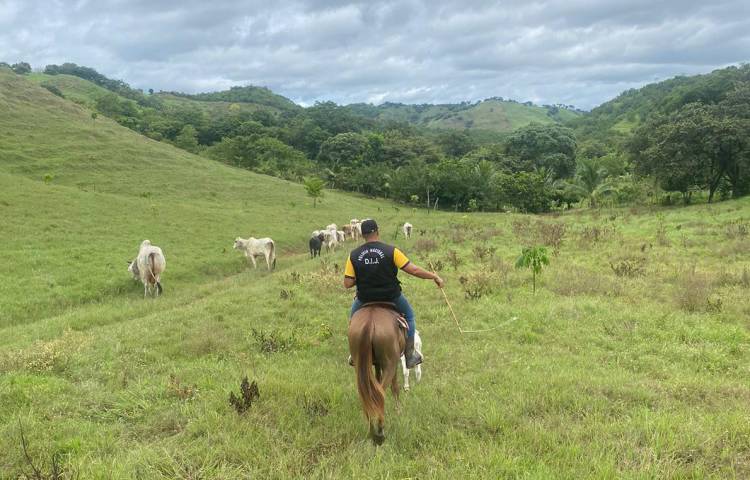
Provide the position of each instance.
(618, 117)
(246, 94)
(492, 114)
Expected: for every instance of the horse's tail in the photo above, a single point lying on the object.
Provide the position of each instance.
(370, 392)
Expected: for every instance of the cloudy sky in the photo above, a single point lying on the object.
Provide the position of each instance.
(580, 52)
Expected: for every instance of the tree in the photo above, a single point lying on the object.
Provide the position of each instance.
(187, 139)
(456, 144)
(534, 258)
(21, 68)
(341, 151)
(697, 147)
(590, 182)
(314, 188)
(536, 146)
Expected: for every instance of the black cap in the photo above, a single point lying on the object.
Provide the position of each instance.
(369, 226)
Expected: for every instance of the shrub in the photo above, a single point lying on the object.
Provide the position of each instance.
(629, 266)
(274, 341)
(425, 245)
(694, 293)
(476, 284)
(736, 229)
(248, 393)
(551, 234)
(483, 252)
(53, 90)
(453, 259)
(593, 234)
(314, 407)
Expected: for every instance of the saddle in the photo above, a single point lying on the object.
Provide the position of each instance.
(398, 316)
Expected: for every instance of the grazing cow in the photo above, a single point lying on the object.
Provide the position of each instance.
(407, 230)
(348, 231)
(256, 247)
(316, 243)
(418, 368)
(330, 239)
(148, 267)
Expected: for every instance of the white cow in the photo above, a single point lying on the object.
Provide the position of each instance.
(340, 236)
(256, 247)
(407, 230)
(148, 267)
(330, 239)
(332, 227)
(418, 368)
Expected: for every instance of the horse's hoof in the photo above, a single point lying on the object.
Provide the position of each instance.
(378, 439)
(406, 388)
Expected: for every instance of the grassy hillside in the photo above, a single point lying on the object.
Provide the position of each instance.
(628, 110)
(490, 115)
(630, 361)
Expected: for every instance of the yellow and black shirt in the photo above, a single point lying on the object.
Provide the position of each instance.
(374, 266)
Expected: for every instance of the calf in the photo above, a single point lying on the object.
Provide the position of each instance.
(407, 230)
(315, 244)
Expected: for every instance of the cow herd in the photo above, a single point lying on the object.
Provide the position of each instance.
(150, 263)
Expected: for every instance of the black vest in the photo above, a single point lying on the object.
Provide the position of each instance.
(376, 272)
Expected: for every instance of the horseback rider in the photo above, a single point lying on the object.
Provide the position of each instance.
(373, 267)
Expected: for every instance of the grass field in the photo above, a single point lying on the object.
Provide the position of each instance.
(630, 361)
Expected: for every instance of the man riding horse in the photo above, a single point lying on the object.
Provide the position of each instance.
(373, 268)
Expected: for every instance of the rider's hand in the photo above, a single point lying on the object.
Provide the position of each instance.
(439, 281)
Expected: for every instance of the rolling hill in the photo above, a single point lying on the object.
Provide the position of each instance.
(491, 115)
(618, 117)
(629, 361)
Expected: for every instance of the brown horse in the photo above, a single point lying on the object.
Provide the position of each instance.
(375, 339)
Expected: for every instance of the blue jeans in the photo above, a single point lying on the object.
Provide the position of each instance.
(402, 305)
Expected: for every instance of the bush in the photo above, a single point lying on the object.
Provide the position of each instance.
(694, 293)
(53, 90)
(453, 259)
(483, 252)
(736, 229)
(551, 234)
(248, 393)
(476, 284)
(425, 245)
(629, 267)
(274, 341)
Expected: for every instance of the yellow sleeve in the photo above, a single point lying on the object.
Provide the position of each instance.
(399, 258)
(349, 269)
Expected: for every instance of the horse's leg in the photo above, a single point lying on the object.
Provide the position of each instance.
(418, 373)
(378, 373)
